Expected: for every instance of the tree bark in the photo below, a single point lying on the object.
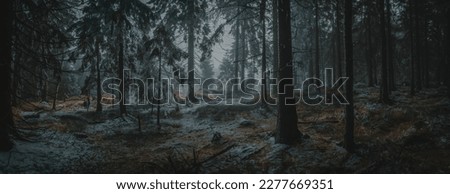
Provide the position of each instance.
(158, 114)
(243, 50)
(263, 52)
(412, 49)
(97, 63)
(369, 49)
(317, 41)
(122, 107)
(448, 56)
(287, 130)
(384, 93)
(349, 109)
(191, 58)
(6, 116)
(418, 46)
(338, 39)
(390, 47)
(275, 45)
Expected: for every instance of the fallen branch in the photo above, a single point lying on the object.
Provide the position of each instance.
(218, 153)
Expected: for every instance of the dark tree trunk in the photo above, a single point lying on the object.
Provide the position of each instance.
(426, 57)
(384, 94)
(448, 56)
(97, 64)
(263, 52)
(412, 48)
(349, 109)
(191, 59)
(236, 51)
(122, 107)
(317, 41)
(6, 118)
(369, 49)
(287, 131)
(243, 50)
(275, 44)
(158, 111)
(338, 39)
(390, 52)
(418, 46)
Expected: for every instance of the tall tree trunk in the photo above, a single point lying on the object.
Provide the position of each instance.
(97, 64)
(263, 52)
(191, 59)
(6, 116)
(287, 130)
(418, 46)
(369, 49)
(317, 41)
(275, 45)
(349, 109)
(236, 51)
(412, 48)
(384, 94)
(158, 111)
(338, 39)
(448, 56)
(243, 50)
(426, 57)
(122, 107)
(390, 45)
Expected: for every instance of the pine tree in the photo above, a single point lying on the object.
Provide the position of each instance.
(6, 118)
(349, 110)
(287, 130)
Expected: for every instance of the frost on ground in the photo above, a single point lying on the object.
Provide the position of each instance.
(410, 136)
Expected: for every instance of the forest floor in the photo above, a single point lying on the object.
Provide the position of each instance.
(411, 135)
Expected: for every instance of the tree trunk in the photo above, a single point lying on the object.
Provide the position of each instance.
(158, 112)
(448, 56)
(418, 47)
(390, 47)
(99, 90)
(6, 118)
(122, 107)
(317, 41)
(243, 50)
(287, 131)
(349, 109)
(338, 39)
(275, 45)
(384, 94)
(412, 49)
(191, 59)
(369, 49)
(236, 49)
(426, 57)
(263, 52)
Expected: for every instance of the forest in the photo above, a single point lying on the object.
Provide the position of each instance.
(225, 86)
